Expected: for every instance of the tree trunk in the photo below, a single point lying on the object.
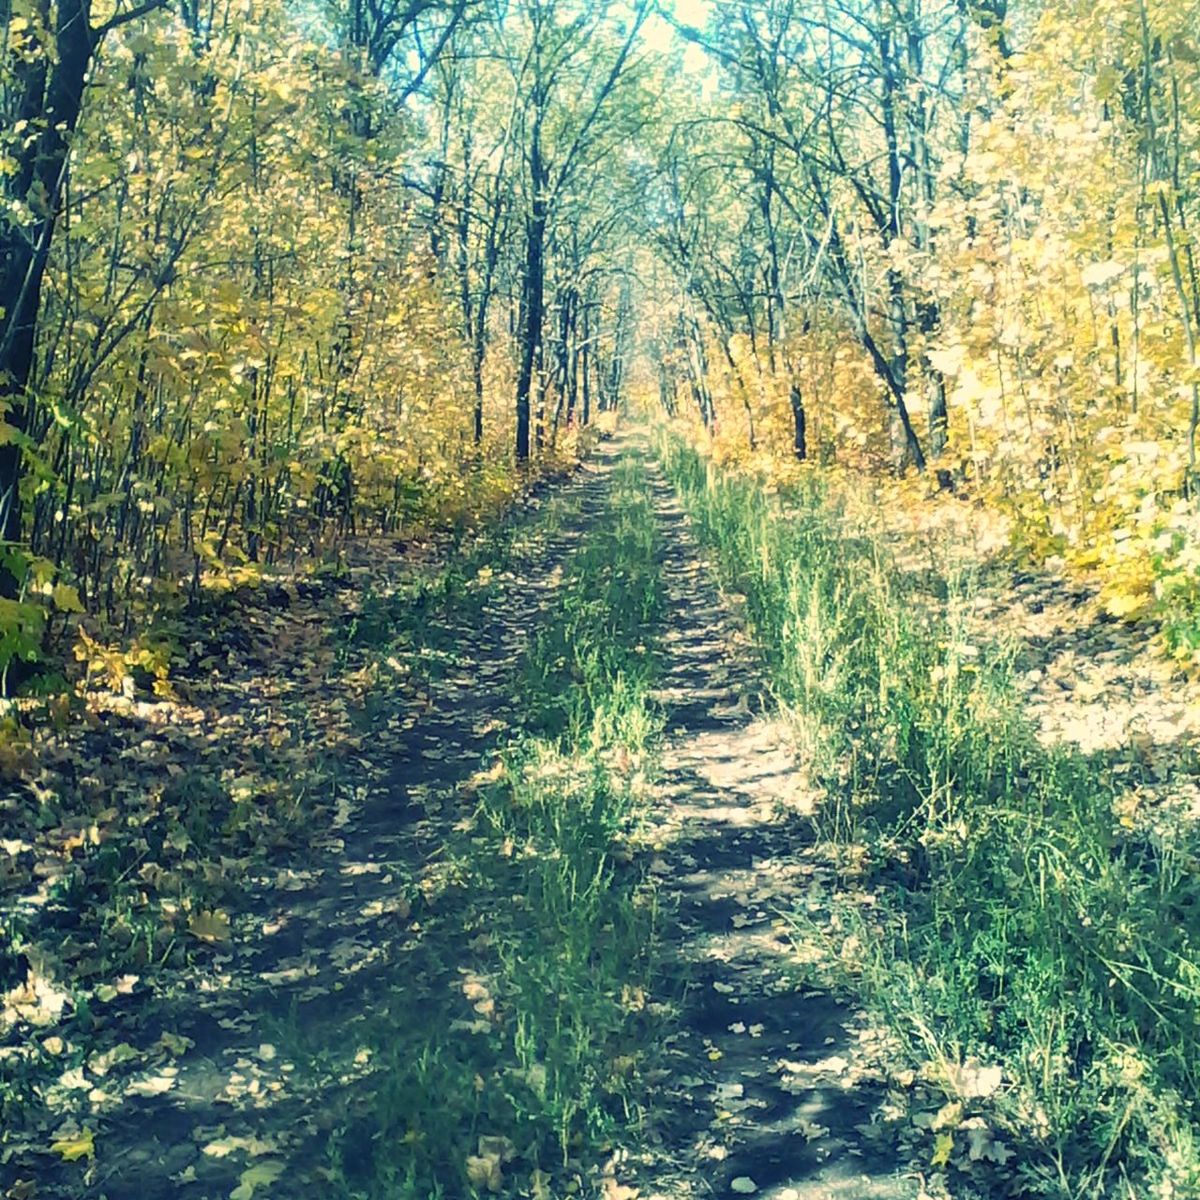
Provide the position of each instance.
(586, 367)
(53, 94)
(533, 299)
(799, 422)
(571, 343)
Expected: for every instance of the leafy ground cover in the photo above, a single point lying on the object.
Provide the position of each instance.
(543, 927)
(540, 866)
(389, 933)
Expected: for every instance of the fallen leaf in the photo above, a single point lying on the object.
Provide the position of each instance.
(100, 1064)
(743, 1185)
(175, 1043)
(943, 1147)
(977, 1083)
(75, 1146)
(949, 1116)
(475, 989)
(211, 927)
(152, 1085)
(618, 1191)
(223, 1147)
(261, 1175)
(483, 1170)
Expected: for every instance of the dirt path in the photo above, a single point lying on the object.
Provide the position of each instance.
(769, 1087)
(209, 1092)
(772, 1091)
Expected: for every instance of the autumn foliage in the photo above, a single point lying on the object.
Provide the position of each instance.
(273, 312)
(993, 222)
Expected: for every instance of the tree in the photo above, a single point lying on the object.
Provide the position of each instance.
(43, 72)
(569, 61)
(835, 125)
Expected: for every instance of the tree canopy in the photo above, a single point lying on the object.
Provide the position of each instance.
(273, 273)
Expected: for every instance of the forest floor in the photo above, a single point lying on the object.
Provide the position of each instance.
(778, 1087)
(205, 1063)
(1087, 679)
(282, 933)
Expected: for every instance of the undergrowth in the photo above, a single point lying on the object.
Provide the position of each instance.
(1017, 922)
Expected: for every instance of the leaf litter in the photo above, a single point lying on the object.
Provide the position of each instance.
(215, 827)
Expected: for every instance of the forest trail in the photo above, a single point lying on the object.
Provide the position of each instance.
(231, 1080)
(414, 785)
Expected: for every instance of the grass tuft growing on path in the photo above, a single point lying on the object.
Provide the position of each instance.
(1017, 923)
(524, 1063)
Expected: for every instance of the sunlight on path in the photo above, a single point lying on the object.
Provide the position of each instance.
(771, 1094)
(769, 1088)
(333, 934)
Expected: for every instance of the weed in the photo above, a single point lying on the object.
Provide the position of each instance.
(541, 948)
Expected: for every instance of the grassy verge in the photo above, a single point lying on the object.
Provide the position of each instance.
(1017, 923)
(512, 1056)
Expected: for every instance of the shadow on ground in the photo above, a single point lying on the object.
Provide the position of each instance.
(769, 1082)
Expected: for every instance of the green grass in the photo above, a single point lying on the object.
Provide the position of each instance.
(540, 949)
(1017, 923)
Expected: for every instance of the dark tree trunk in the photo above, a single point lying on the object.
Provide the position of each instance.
(799, 422)
(477, 376)
(54, 94)
(533, 290)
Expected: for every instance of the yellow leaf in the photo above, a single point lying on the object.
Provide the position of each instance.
(1127, 607)
(66, 598)
(75, 1146)
(210, 927)
(260, 1175)
(943, 1147)
(483, 1170)
(618, 1191)
(949, 1116)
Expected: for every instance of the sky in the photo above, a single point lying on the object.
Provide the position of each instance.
(692, 12)
(660, 35)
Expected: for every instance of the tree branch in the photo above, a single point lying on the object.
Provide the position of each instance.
(124, 18)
